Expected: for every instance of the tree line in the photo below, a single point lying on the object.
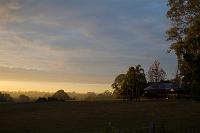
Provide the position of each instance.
(58, 96)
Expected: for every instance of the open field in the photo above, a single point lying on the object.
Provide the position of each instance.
(95, 116)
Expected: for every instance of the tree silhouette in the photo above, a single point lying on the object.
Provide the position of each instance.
(23, 98)
(5, 97)
(184, 35)
(156, 73)
(131, 84)
(61, 95)
(117, 85)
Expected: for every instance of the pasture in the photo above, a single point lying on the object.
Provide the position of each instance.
(96, 116)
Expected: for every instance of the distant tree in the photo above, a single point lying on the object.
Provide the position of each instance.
(24, 98)
(107, 95)
(52, 99)
(61, 95)
(184, 35)
(156, 73)
(117, 85)
(41, 100)
(5, 97)
(90, 96)
(131, 84)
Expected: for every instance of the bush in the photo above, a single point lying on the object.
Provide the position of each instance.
(23, 98)
(41, 100)
(52, 99)
(5, 98)
(61, 95)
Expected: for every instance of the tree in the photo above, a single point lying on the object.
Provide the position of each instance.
(90, 96)
(184, 35)
(5, 97)
(156, 73)
(41, 100)
(177, 79)
(117, 85)
(24, 98)
(134, 82)
(130, 85)
(106, 95)
(61, 95)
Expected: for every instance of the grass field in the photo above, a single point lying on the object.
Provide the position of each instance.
(96, 116)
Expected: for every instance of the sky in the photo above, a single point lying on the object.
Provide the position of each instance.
(79, 45)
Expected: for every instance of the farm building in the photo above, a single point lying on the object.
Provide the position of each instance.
(161, 90)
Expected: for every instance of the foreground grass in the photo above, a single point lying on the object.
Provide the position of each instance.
(96, 116)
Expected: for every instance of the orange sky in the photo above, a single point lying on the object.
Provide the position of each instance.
(52, 87)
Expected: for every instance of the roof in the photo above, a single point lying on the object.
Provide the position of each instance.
(163, 86)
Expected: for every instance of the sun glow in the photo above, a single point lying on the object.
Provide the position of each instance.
(52, 86)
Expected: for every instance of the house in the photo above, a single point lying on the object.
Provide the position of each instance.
(160, 89)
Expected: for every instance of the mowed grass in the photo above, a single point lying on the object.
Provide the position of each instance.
(94, 116)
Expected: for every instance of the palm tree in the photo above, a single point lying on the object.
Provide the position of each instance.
(129, 85)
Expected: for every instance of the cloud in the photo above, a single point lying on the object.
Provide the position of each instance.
(90, 41)
(9, 9)
(22, 74)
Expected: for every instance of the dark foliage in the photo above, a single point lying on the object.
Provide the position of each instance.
(52, 99)
(131, 84)
(185, 37)
(61, 95)
(41, 100)
(5, 97)
(23, 98)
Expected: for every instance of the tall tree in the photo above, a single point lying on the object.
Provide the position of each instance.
(156, 72)
(185, 37)
(141, 81)
(131, 84)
